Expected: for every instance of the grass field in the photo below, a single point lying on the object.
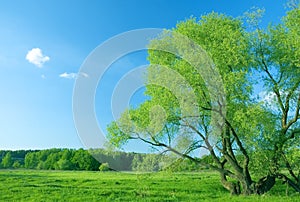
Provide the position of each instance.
(29, 185)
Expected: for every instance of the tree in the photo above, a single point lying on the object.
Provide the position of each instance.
(31, 160)
(215, 109)
(7, 161)
(65, 163)
(51, 161)
(83, 160)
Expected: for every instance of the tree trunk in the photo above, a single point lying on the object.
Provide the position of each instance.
(247, 188)
(265, 184)
(233, 188)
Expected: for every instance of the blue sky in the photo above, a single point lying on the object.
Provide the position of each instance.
(36, 93)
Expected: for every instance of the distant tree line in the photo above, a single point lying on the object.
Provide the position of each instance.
(80, 159)
(49, 159)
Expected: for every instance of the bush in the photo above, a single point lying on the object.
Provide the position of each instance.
(104, 167)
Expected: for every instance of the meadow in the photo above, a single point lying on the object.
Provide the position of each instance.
(34, 185)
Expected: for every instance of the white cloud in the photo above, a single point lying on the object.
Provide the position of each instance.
(268, 100)
(73, 75)
(267, 97)
(36, 57)
(68, 75)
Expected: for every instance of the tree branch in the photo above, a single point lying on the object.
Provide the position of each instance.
(289, 167)
(296, 115)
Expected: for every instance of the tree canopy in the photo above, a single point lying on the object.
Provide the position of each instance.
(203, 95)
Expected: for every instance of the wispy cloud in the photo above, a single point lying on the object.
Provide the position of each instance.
(36, 57)
(73, 75)
(267, 97)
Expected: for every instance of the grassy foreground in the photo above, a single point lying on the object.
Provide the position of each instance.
(29, 185)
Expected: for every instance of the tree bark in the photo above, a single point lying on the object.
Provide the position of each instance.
(233, 188)
(265, 184)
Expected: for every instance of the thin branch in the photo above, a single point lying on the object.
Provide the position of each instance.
(169, 136)
(296, 116)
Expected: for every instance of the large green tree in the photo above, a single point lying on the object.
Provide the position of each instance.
(200, 83)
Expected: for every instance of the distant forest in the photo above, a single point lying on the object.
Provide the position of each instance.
(80, 159)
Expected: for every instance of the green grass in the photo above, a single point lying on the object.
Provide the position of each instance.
(29, 185)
